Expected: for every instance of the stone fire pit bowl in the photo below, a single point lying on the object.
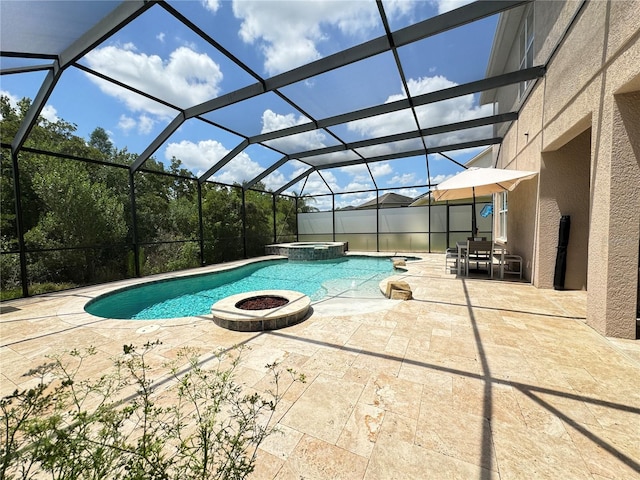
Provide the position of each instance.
(227, 314)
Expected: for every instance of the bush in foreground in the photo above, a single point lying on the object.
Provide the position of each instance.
(197, 423)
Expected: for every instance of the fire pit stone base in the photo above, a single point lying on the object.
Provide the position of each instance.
(226, 313)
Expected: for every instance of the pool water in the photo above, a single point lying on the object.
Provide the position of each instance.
(358, 277)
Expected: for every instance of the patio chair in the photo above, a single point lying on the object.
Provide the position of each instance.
(480, 252)
(511, 264)
(451, 259)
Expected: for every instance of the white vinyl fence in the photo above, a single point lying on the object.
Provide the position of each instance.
(406, 229)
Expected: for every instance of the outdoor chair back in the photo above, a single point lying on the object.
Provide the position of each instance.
(480, 252)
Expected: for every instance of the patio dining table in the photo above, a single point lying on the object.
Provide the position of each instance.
(498, 251)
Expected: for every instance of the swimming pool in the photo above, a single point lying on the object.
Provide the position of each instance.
(193, 296)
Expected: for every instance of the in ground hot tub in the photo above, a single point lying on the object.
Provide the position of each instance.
(308, 250)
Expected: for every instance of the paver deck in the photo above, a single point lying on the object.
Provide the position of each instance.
(472, 379)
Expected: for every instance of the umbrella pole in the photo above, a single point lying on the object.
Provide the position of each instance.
(474, 222)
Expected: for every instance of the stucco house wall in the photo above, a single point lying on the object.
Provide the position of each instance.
(550, 21)
(579, 126)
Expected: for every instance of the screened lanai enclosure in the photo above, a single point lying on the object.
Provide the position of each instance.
(141, 137)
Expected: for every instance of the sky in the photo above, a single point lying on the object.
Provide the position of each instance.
(160, 56)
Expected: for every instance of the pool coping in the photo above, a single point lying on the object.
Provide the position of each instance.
(225, 314)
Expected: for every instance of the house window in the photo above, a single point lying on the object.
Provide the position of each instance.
(502, 206)
(525, 41)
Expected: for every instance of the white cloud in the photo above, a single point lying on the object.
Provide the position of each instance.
(439, 178)
(187, 78)
(382, 125)
(409, 192)
(333, 157)
(288, 33)
(355, 186)
(391, 147)
(49, 113)
(211, 5)
(403, 179)
(126, 123)
(142, 125)
(199, 157)
(299, 170)
(381, 169)
(448, 5)
(317, 185)
(314, 185)
(272, 121)
(354, 199)
(239, 170)
(449, 111)
(189, 45)
(360, 172)
(398, 8)
(160, 37)
(274, 180)
(145, 124)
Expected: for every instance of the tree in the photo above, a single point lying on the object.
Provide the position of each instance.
(77, 212)
(181, 186)
(77, 216)
(303, 203)
(222, 219)
(259, 219)
(9, 124)
(285, 219)
(99, 139)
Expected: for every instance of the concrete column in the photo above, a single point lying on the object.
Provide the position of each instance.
(615, 223)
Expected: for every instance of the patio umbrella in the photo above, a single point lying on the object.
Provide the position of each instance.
(476, 182)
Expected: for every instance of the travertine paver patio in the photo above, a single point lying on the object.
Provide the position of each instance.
(471, 379)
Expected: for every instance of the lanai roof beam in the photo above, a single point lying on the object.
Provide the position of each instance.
(114, 21)
(418, 100)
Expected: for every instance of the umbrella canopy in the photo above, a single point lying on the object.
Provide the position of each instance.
(476, 182)
(479, 182)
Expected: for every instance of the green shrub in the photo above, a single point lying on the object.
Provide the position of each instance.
(126, 425)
